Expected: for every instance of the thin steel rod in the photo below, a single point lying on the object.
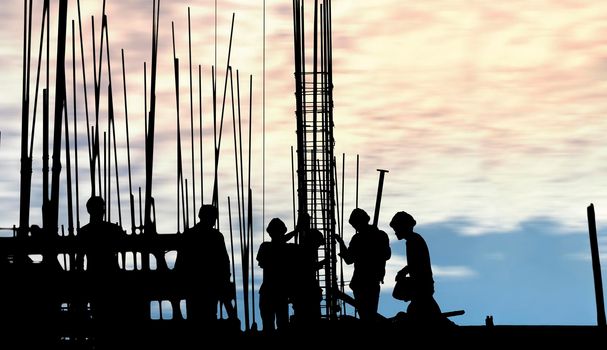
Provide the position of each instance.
(76, 168)
(240, 197)
(59, 102)
(128, 147)
(242, 190)
(180, 186)
(232, 251)
(26, 161)
(70, 207)
(86, 104)
(200, 133)
(357, 171)
(38, 69)
(596, 268)
(293, 187)
(192, 118)
(112, 123)
(218, 145)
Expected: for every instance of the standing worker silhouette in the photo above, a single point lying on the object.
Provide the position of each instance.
(204, 264)
(369, 250)
(307, 293)
(423, 309)
(99, 242)
(274, 258)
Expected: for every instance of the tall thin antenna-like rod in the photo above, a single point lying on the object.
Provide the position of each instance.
(250, 227)
(232, 251)
(263, 130)
(38, 70)
(218, 144)
(242, 190)
(112, 124)
(86, 105)
(128, 147)
(180, 186)
(240, 196)
(70, 207)
(250, 253)
(59, 103)
(293, 186)
(72, 256)
(341, 224)
(200, 133)
(596, 268)
(150, 225)
(357, 170)
(192, 117)
(26, 160)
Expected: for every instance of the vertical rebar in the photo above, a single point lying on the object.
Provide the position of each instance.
(192, 117)
(596, 268)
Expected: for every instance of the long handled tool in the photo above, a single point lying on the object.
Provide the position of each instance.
(380, 188)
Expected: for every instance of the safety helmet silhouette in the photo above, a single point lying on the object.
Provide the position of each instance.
(276, 227)
(401, 219)
(359, 217)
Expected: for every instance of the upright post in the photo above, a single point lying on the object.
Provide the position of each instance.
(596, 268)
(380, 188)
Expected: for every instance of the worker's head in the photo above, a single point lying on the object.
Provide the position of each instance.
(208, 215)
(36, 231)
(276, 228)
(304, 221)
(95, 206)
(402, 223)
(359, 218)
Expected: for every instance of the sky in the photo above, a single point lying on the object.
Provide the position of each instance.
(488, 115)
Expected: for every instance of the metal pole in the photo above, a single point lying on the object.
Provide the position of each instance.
(26, 161)
(596, 268)
(192, 118)
(380, 188)
(232, 251)
(75, 133)
(200, 133)
(59, 103)
(70, 214)
(240, 197)
(357, 168)
(293, 187)
(128, 147)
(242, 191)
(38, 69)
(218, 144)
(86, 104)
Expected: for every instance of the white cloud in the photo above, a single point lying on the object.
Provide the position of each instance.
(457, 272)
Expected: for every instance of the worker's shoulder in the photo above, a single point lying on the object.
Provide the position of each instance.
(381, 234)
(110, 226)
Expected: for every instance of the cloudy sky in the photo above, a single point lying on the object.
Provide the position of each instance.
(489, 116)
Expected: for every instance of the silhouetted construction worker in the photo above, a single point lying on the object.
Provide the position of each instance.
(275, 259)
(369, 250)
(204, 264)
(422, 309)
(307, 293)
(99, 242)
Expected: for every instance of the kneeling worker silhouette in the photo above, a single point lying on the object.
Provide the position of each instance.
(423, 309)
